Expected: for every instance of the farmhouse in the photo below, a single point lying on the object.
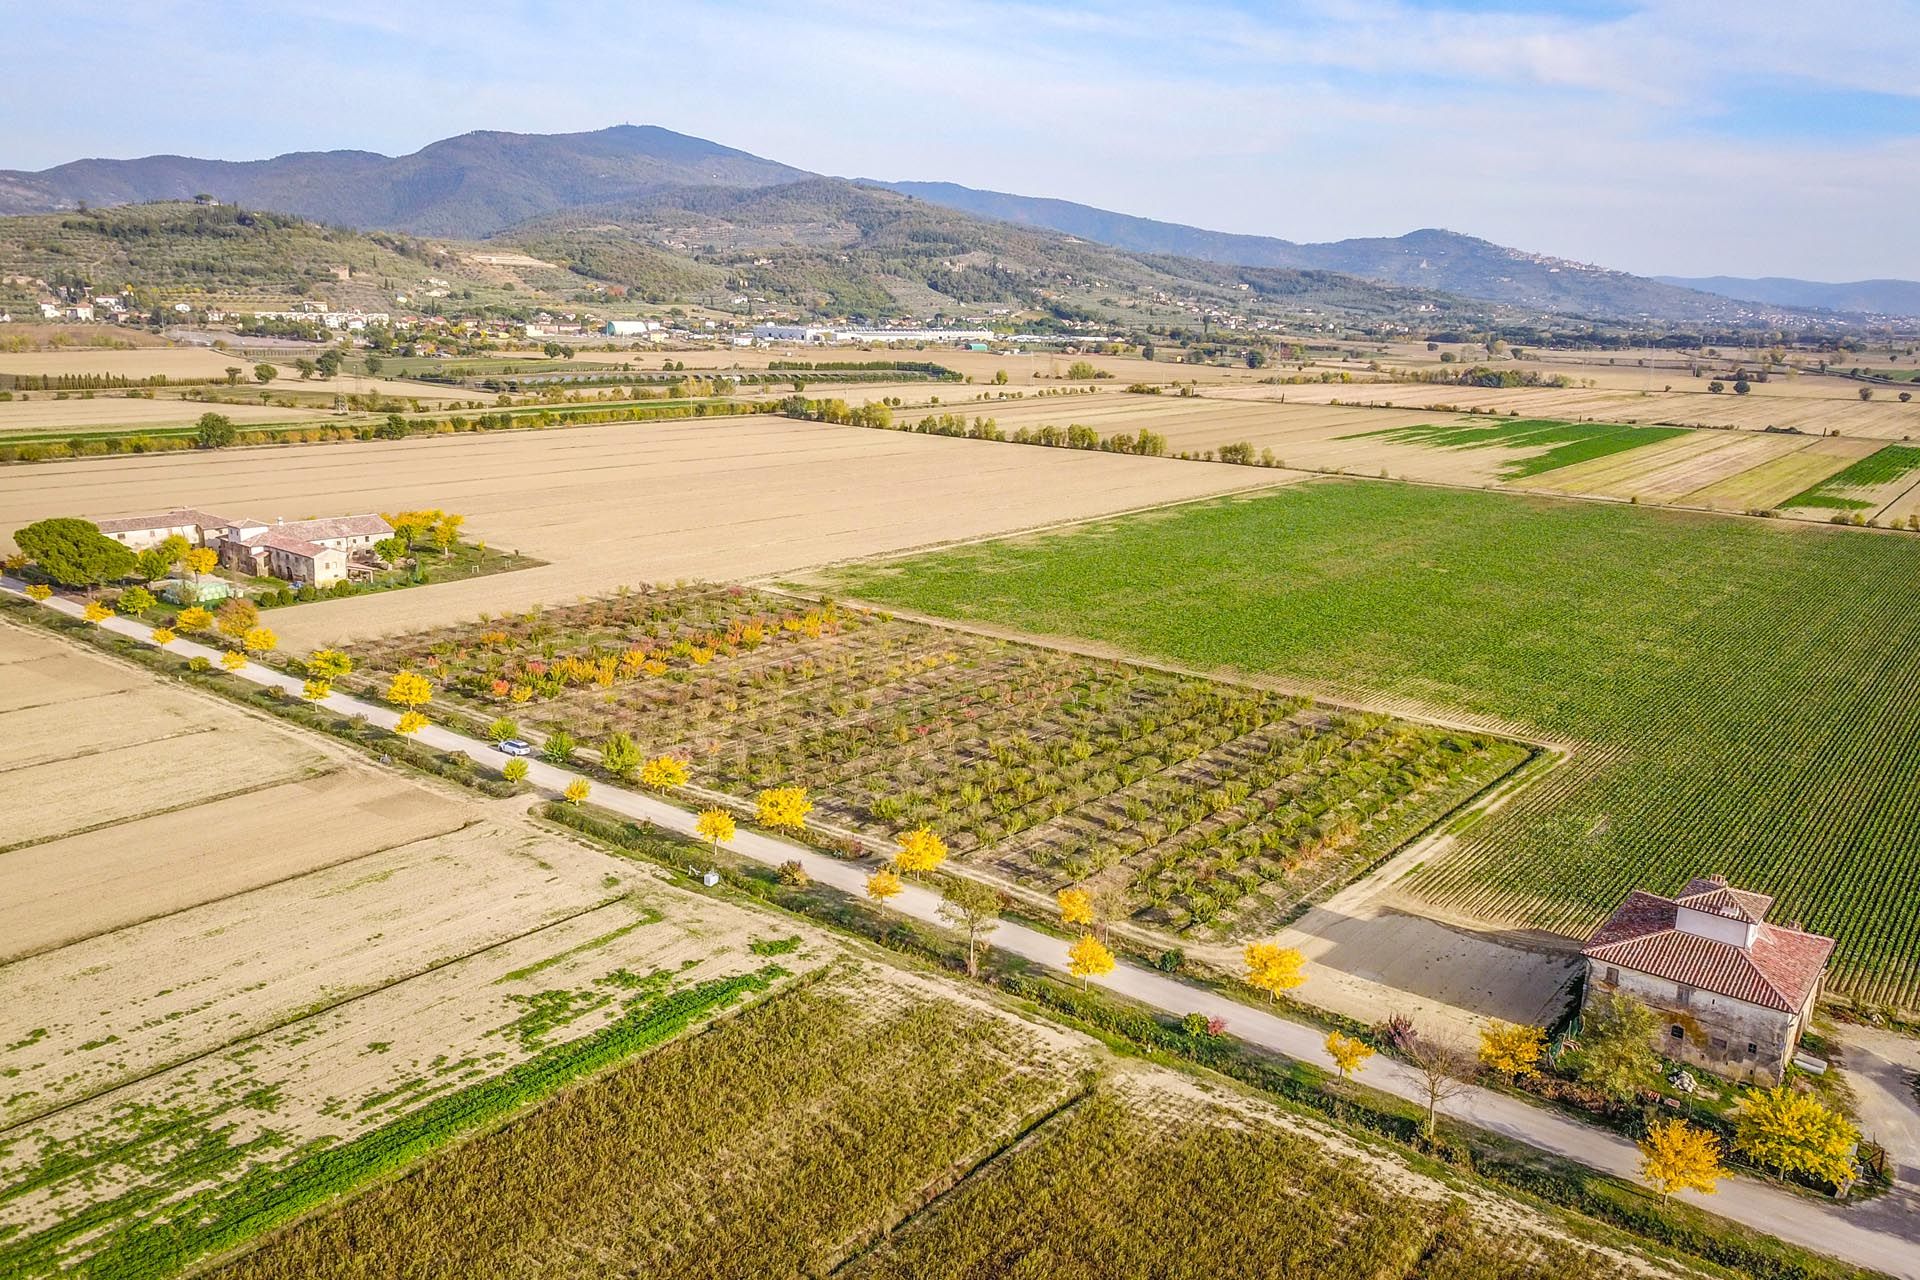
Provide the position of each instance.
(137, 533)
(1734, 992)
(305, 552)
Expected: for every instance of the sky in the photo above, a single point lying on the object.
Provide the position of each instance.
(1680, 137)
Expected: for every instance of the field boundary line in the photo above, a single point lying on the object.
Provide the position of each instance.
(955, 1181)
(305, 1014)
(267, 884)
(310, 771)
(192, 731)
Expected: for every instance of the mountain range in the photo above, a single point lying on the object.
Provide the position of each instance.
(651, 198)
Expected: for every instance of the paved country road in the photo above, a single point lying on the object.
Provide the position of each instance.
(1883, 1235)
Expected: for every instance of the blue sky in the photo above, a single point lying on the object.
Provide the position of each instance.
(1687, 137)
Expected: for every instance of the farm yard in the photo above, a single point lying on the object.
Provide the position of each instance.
(1740, 694)
(1205, 807)
(711, 498)
(250, 972)
(1017, 1143)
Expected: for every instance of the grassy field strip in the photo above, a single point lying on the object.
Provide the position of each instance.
(356, 1070)
(1534, 446)
(213, 1219)
(1749, 686)
(12, 1120)
(1775, 480)
(1877, 479)
(1618, 475)
(791, 1144)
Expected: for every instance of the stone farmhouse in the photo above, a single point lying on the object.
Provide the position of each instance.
(1734, 993)
(314, 553)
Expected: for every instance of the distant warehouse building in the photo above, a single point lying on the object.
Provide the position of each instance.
(630, 328)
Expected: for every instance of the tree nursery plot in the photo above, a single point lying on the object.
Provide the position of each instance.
(1742, 694)
(1211, 807)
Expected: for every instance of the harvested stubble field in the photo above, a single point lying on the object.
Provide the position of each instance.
(224, 1011)
(1744, 691)
(1813, 405)
(1211, 808)
(41, 412)
(873, 1125)
(1152, 1177)
(716, 498)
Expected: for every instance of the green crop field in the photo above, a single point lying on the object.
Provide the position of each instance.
(1565, 443)
(1745, 696)
(1884, 467)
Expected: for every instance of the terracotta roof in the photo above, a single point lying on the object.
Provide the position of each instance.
(166, 520)
(333, 527)
(279, 541)
(1712, 895)
(1778, 971)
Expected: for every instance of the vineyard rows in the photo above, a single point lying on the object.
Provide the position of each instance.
(1209, 806)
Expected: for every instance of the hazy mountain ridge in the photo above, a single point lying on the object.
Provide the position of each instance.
(1430, 258)
(466, 187)
(1866, 297)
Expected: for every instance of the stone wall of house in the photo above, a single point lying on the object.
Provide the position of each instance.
(1714, 1031)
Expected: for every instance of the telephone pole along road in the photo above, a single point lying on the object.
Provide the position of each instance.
(1826, 1227)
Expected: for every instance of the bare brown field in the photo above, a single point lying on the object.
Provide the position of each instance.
(1811, 405)
(1021, 369)
(718, 499)
(144, 362)
(41, 412)
(204, 993)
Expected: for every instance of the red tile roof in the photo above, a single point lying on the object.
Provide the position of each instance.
(1779, 971)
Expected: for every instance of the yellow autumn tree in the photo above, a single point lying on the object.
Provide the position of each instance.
(716, 826)
(259, 640)
(200, 560)
(193, 618)
(1076, 907)
(883, 884)
(233, 660)
(577, 791)
(1795, 1133)
(1512, 1049)
(329, 664)
(1089, 958)
(662, 772)
(97, 611)
(409, 689)
(410, 722)
(315, 689)
(162, 635)
(783, 807)
(1676, 1156)
(1348, 1053)
(920, 850)
(1273, 968)
(39, 591)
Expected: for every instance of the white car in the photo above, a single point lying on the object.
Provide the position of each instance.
(515, 747)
